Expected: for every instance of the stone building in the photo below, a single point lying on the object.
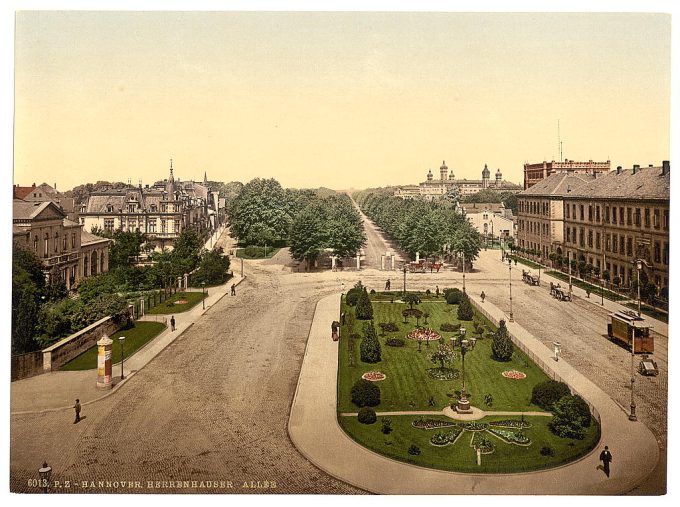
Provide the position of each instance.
(620, 217)
(491, 224)
(533, 173)
(65, 250)
(161, 211)
(45, 192)
(437, 188)
(540, 216)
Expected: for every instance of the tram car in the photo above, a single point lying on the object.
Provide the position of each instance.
(631, 331)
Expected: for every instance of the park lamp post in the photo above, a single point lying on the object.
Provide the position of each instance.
(633, 417)
(45, 472)
(510, 269)
(404, 268)
(601, 292)
(463, 272)
(465, 347)
(121, 340)
(203, 291)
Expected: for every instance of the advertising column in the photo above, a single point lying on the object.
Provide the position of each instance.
(104, 353)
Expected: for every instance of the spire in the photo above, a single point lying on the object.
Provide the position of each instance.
(171, 178)
(205, 177)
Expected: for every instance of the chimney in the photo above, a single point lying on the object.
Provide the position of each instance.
(618, 169)
(650, 165)
(636, 168)
(665, 167)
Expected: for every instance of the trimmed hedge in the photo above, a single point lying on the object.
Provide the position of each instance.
(365, 393)
(367, 416)
(546, 394)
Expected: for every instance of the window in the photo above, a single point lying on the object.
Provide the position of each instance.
(621, 221)
(597, 213)
(590, 239)
(629, 216)
(607, 242)
(615, 244)
(109, 208)
(131, 208)
(566, 210)
(590, 213)
(46, 250)
(164, 208)
(568, 235)
(64, 243)
(73, 240)
(665, 219)
(637, 217)
(573, 211)
(629, 246)
(108, 224)
(647, 220)
(581, 210)
(597, 240)
(622, 244)
(35, 244)
(581, 237)
(665, 253)
(657, 251)
(177, 226)
(153, 208)
(152, 225)
(606, 214)
(162, 226)
(657, 222)
(56, 242)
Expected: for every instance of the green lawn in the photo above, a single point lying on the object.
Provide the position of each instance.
(171, 306)
(594, 289)
(408, 386)
(526, 262)
(256, 252)
(651, 312)
(459, 456)
(135, 337)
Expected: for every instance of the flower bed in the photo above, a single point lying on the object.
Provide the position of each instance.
(511, 423)
(443, 373)
(374, 376)
(475, 426)
(482, 443)
(423, 334)
(514, 374)
(430, 424)
(440, 439)
(511, 437)
(181, 302)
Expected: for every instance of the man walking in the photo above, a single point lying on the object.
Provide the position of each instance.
(606, 458)
(172, 323)
(77, 408)
(233, 289)
(387, 284)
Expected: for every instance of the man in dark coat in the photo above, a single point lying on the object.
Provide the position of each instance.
(606, 458)
(172, 323)
(233, 289)
(77, 408)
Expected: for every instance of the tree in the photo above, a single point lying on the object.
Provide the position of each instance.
(28, 285)
(545, 394)
(465, 310)
(484, 195)
(213, 268)
(411, 298)
(364, 308)
(466, 240)
(260, 234)
(365, 393)
(370, 349)
(307, 235)
(571, 416)
(509, 200)
(124, 248)
(502, 347)
(187, 252)
(444, 354)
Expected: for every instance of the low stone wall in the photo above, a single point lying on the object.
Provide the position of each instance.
(27, 365)
(72, 346)
(543, 359)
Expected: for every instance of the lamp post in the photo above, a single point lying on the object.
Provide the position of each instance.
(203, 291)
(601, 292)
(569, 264)
(121, 340)
(510, 269)
(463, 405)
(633, 417)
(45, 472)
(404, 268)
(463, 272)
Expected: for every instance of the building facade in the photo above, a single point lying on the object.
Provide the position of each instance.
(533, 173)
(160, 212)
(45, 192)
(491, 225)
(65, 250)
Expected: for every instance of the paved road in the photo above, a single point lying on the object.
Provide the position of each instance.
(376, 244)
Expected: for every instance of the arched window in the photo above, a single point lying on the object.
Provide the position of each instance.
(101, 262)
(46, 250)
(93, 264)
(56, 242)
(86, 270)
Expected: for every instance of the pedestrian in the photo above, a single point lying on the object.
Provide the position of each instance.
(172, 323)
(233, 289)
(437, 291)
(483, 296)
(77, 408)
(588, 293)
(515, 262)
(606, 458)
(387, 284)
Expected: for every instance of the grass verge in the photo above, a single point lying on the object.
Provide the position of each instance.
(173, 305)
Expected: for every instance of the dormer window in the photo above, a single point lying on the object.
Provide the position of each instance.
(109, 208)
(153, 208)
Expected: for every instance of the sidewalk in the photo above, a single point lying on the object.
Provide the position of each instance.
(314, 429)
(58, 390)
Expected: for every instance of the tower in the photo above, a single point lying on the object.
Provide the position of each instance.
(205, 178)
(170, 186)
(499, 177)
(451, 176)
(429, 175)
(443, 170)
(485, 176)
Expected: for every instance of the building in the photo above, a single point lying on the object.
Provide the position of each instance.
(533, 173)
(492, 225)
(620, 217)
(540, 217)
(161, 212)
(437, 188)
(45, 192)
(65, 250)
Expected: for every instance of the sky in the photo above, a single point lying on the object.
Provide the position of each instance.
(340, 99)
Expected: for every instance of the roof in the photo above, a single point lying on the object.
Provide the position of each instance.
(646, 183)
(87, 238)
(558, 184)
(21, 192)
(23, 210)
(70, 223)
(18, 230)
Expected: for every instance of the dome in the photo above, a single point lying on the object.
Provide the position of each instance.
(443, 166)
(486, 173)
(499, 174)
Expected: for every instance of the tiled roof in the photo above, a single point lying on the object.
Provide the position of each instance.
(87, 238)
(646, 183)
(21, 192)
(558, 184)
(28, 210)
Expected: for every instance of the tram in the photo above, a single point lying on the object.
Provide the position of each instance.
(632, 331)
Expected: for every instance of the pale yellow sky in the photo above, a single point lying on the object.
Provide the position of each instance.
(333, 99)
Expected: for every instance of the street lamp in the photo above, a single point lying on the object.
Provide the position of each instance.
(121, 339)
(601, 292)
(203, 291)
(633, 417)
(45, 472)
(404, 277)
(638, 264)
(510, 269)
(463, 405)
(463, 272)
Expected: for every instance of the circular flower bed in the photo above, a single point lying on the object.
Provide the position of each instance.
(423, 334)
(443, 373)
(514, 374)
(374, 376)
(181, 302)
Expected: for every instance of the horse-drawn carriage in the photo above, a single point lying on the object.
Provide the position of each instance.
(422, 266)
(558, 292)
(527, 277)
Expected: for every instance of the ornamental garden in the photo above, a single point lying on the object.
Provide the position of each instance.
(404, 354)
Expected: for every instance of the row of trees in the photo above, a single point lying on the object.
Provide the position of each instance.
(430, 228)
(308, 221)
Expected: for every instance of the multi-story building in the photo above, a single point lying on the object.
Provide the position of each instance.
(43, 193)
(533, 173)
(436, 188)
(65, 250)
(161, 212)
(490, 224)
(540, 217)
(621, 217)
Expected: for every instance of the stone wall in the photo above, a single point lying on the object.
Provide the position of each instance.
(27, 365)
(74, 345)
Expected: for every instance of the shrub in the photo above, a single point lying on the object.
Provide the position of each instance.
(465, 310)
(547, 451)
(388, 327)
(372, 291)
(364, 309)
(546, 394)
(570, 419)
(502, 347)
(367, 416)
(449, 328)
(395, 342)
(365, 393)
(414, 450)
(370, 346)
(386, 426)
(353, 294)
(453, 296)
